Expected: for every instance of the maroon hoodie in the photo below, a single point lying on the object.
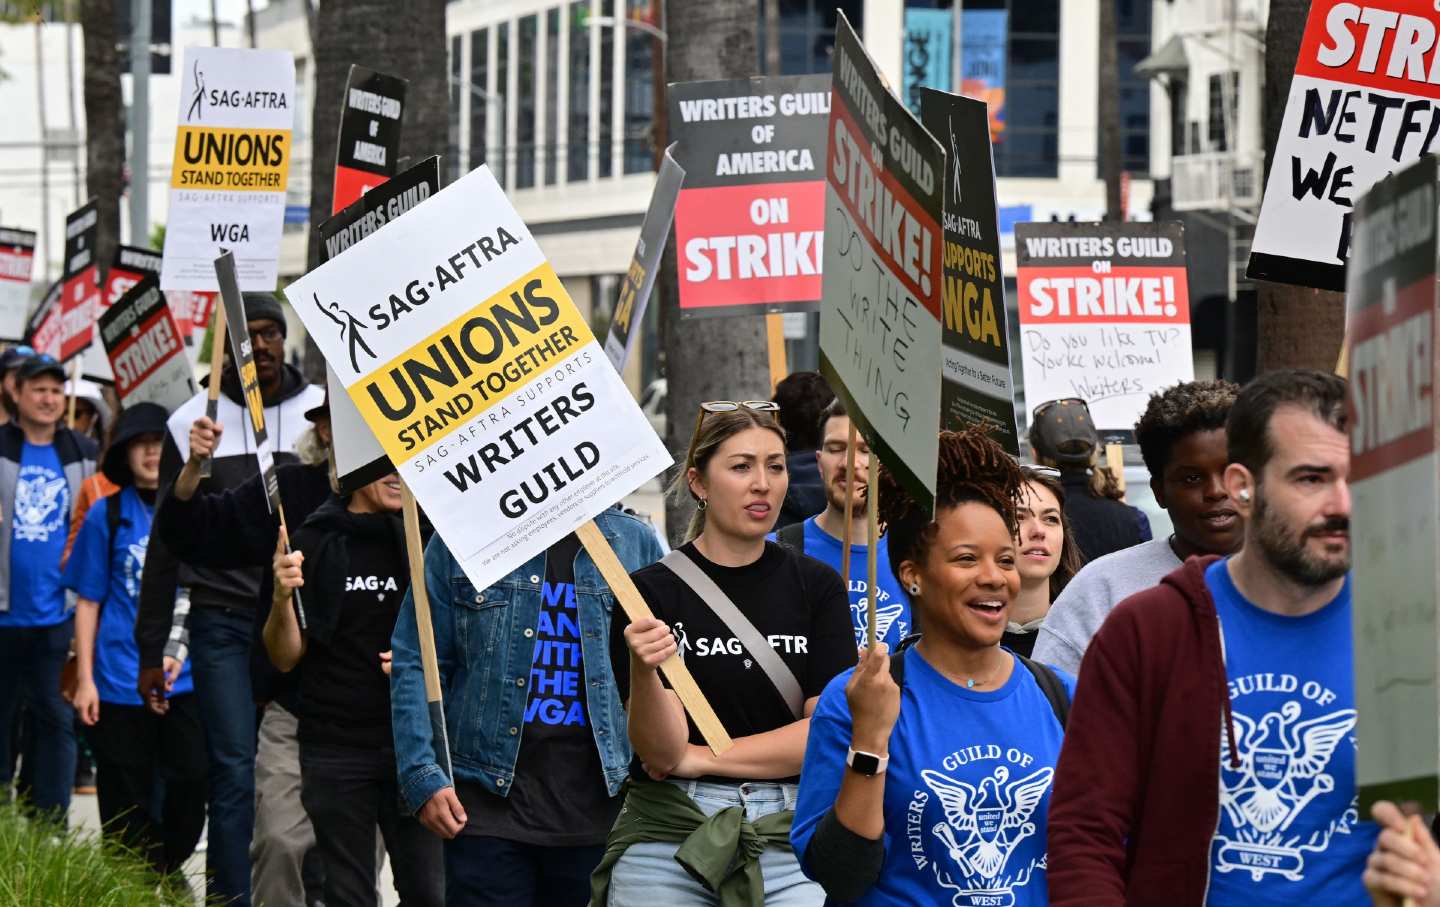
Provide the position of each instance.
(1137, 789)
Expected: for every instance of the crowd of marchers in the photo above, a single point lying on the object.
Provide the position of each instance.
(1061, 708)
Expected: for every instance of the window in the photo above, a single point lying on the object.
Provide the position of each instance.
(1221, 109)
(504, 153)
(552, 93)
(525, 105)
(480, 98)
(807, 33)
(607, 91)
(639, 153)
(577, 160)
(457, 94)
(1027, 130)
(1132, 44)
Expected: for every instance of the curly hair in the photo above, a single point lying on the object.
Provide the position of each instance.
(1186, 408)
(973, 469)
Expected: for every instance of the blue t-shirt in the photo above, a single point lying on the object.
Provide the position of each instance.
(38, 529)
(967, 790)
(892, 609)
(1290, 831)
(110, 574)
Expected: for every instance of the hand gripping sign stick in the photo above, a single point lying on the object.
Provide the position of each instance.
(425, 630)
(872, 545)
(217, 364)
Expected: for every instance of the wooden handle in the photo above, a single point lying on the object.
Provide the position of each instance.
(217, 364)
(851, 443)
(75, 372)
(295, 601)
(872, 546)
(1115, 462)
(425, 630)
(681, 681)
(775, 343)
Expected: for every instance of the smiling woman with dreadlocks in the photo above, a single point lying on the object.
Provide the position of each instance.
(927, 772)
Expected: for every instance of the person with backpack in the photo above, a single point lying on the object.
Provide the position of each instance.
(820, 535)
(897, 806)
(137, 752)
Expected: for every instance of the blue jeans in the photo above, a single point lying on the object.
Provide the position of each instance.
(30, 662)
(648, 874)
(220, 664)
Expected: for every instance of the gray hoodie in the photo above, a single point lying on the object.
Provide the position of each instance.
(1089, 598)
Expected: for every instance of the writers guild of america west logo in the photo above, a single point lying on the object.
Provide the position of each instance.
(885, 615)
(981, 830)
(1282, 770)
(40, 499)
(134, 564)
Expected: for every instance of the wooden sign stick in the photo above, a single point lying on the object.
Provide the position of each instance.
(429, 664)
(635, 608)
(1115, 462)
(75, 372)
(850, 444)
(872, 546)
(217, 365)
(775, 343)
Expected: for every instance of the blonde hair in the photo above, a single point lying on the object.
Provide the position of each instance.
(714, 430)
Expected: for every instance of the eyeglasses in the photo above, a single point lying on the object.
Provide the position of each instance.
(269, 334)
(1049, 472)
(729, 406)
(1064, 401)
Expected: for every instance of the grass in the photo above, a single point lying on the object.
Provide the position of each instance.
(43, 865)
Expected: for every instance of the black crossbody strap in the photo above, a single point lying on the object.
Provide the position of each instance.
(1048, 681)
(793, 536)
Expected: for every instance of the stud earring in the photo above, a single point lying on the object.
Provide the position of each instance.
(1244, 494)
(914, 588)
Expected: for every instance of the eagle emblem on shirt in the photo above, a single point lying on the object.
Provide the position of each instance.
(134, 564)
(885, 617)
(39, 505)
(1283, 768)
(983, 826)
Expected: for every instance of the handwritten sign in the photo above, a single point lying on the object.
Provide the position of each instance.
(1363, 102)
(1104, 315)
(1391, 333)
(880, 318)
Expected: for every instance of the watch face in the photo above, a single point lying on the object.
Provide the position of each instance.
(864, 763)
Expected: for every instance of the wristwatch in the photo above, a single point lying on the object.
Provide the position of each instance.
(867, 764)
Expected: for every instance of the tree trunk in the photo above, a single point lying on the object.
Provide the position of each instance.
(105, 128)
(1296, 327)
(1111, 162)
(411, 46)
(712, 358)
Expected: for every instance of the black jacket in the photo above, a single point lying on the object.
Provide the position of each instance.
(806, 495)
(1101, 525)
(234, 587)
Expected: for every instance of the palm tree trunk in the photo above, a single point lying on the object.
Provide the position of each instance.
(1296, 327)
(713, 358)
(105, 127)
(1111, 164)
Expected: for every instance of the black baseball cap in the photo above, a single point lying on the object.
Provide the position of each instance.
(1063, 431)
(41, 364)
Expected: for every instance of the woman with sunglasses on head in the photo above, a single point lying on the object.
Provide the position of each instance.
(718, 601)
(927, 776)
(1047, 556)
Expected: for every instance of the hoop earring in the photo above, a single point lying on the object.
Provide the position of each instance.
(701, 504)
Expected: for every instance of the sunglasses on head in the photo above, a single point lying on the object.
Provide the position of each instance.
(1047, 471)
(1064, 401)
(709, 407)
(24, 350)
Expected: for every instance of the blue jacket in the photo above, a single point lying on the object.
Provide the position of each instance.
(484, 643)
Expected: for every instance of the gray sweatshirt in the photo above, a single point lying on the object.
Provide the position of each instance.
(1088, 599)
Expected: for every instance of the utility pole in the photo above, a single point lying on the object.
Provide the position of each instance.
(44, 151)
(215, 23)
(67, 10)
(140, 122)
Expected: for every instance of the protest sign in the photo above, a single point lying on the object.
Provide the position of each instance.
(639, 279)
(130, 265)
(749, 222)
(1395, 486)
(82, 291)
(480, 378)
(1363, 102)
(370, 118)
(880, 336)
(45, 328)
(244, 363)
(17, 261)
(231, 165)
(146, 353)
(192, 310)
(359, 458)
(1104, 316)
(977, 386)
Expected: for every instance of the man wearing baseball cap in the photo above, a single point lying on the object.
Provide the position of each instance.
(41, 468)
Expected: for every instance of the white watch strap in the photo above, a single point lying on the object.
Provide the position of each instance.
(881, 762)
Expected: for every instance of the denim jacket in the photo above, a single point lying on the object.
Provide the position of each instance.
(484, 643)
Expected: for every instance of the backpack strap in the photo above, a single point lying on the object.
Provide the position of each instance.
(897, 659)
(1051, 685)
(112, 520)
(792, 536)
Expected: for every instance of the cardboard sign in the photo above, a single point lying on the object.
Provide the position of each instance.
(460, 347)
(1104, 316)
(82, 292)
(369, 144)
(976, 386)
(749, 223)
(147, 355)
(192, 310)
(231, 167)
(1395, 486)
(1363, 103)
(45, 329)
(880, 322)
(244, 361)
(17, 262)
(639, 278)
(359, 458)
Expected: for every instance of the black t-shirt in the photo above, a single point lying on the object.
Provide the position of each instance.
(558, 797)
(344, 694)
(798, 603)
